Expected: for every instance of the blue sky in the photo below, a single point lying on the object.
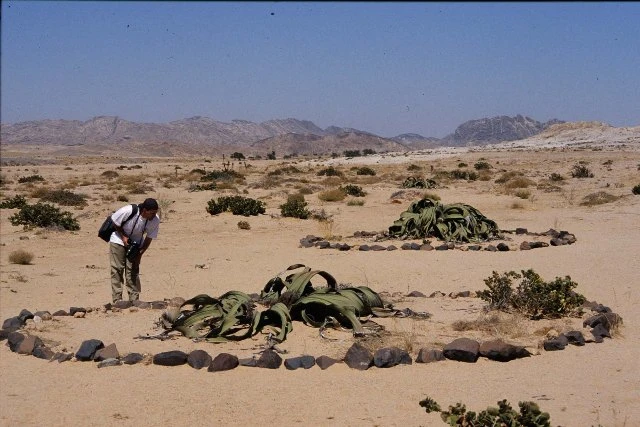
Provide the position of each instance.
(387, 68)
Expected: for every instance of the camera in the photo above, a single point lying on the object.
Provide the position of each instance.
(133, 250)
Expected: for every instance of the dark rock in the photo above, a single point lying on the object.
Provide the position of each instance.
(389, 357)
(143, 305)
(25, 315)
(108, 306)
(170, 358)
(132, 358)
(392, 248)
(122, 304)
(426, 247)
(28, 344)
(294, 363)
(567, 237)
(416, 294)
(44, 315)
(551, 232)
(325, 361)
(503, 247)
(108, 352)
(223, 362)
(60, 313)
(14, 339)
(462, 350)
(601, 309)
(62, 357)
(451, 245)
(555, 344)
(344, 247)
(269, 359)
(199, 359)
(364, 248)
(112, 361)
(608, 320)
(525, 246)
(323, 244)
(501, 351)
(88, 349)
(536, 245)
(428, 355)
(575, 338)
(520, 230)
(474, 247)
(74, 310)
(378, 248)
(4, 334)
(600, 331)
(358, 357)
(491, 248)
(306, 243)
(442, 247)
(461, 294)
(43, 352)
(557, 242)
(436, 294)
(158, 305)
(12, 324)
(251, 362)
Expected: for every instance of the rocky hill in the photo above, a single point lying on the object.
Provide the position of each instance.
(496, 129)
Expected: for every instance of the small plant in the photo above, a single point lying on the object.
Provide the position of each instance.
(16, 202)
(334, 195)
(414, 168)
(122, 198)
(218, 175)
(284, 171)
(581, 171)
(238, 205)
(598, 198)
(353, 190)
(330, 171)
(529, 415)
(21, 257)
(30, 178)
(110, 174)
(482, 166)
(355, 202)
(523, 194)
(429, 195)
(463, 174)
(636, 190)
(44, 215)
(462, 165)
(244, 225)
(430, 405)
(64, 198)
(295, 207)
(556, 177)
(364, 170)
(417, 182)
(237, 155)
(202, 187)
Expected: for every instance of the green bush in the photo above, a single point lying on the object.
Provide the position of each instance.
(330, 171)
(529, 415)
(31, 178)
(16, 202)
(417, 182)
(238, 205)
(218, 175)
(533, 296)
(244, 225)
(481, 166)
(368, 151)
(64, 198)
(202, 187)
(636, 190)
(352, 153)
(365, 171)
(44, 215)
(353, 190)
(295, 207)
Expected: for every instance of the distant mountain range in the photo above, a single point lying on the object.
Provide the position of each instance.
(286, 136)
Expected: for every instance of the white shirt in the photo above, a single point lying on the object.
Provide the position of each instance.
(135, 227)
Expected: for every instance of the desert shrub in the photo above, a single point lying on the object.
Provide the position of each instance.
(330, 171)
(218, 175)
(44, 215)
(533, 296)
(353, 190)
(355, 202)
(368, 151)
(16, 202)
(30, 178)
(20, 256)
(237, 155)
(244, 225)
(305, 190)
(198, 171)
(364, 170)
(463, 174)
(352, 153)
(139, 188)
(295, 207)
(462, 165)
(122, 198)
(333, 195)
(429, 195)
(523, 194)
(64, 198)
(598, 198)
(556, 177)
(202, 187)
(417, 182)
(636, 190)
(519, 182)
(482, 165)
(287, 170)
(581, 171)
(414, 168)
(506, 176)
(238, 205)
(110, 174)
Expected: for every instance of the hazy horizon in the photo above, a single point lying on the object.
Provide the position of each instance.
(384, 68)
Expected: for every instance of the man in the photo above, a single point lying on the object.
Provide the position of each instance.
(127, 239)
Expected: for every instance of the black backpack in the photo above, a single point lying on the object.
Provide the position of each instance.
(109, 227)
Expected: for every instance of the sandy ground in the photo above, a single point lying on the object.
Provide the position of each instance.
(580, 386)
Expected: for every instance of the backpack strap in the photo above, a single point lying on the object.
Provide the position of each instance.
(134, 212)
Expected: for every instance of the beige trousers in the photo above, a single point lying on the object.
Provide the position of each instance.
(122, 268)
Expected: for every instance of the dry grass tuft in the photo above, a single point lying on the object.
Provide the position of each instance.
(598, 198)
(495, 323)
(20, 256)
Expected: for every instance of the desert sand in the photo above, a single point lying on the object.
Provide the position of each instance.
(597, 384)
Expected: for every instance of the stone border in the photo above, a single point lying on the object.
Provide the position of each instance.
(558, 238)
(357, 356)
